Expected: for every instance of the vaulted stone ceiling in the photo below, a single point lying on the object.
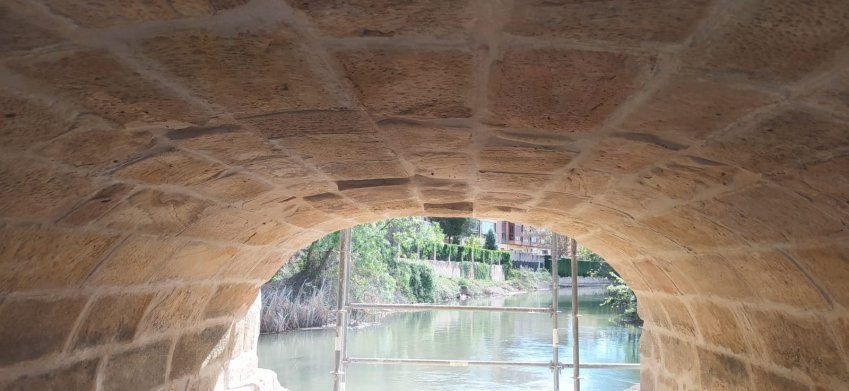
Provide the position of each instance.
(161, 159)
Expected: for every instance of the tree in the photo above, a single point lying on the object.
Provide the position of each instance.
(455, 228)
(489, 243)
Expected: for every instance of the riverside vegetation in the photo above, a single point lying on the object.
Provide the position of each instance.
(386, 268)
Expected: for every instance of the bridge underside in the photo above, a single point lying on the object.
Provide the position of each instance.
(159, 160)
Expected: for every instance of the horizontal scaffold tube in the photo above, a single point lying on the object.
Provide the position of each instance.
(405, 307)
(467, 363)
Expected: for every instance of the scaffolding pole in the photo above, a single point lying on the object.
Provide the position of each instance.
(419, 307)
(469, 363)
(341, 341)
(555, 284)
(576, 361)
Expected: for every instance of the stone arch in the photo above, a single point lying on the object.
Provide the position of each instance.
(160, 161)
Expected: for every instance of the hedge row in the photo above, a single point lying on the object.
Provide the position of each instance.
(585, 268)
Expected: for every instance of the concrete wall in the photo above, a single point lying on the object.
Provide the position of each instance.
(160, 160)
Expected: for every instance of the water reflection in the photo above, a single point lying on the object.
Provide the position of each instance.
(303, 359)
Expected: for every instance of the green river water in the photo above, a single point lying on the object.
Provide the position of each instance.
(304, 359)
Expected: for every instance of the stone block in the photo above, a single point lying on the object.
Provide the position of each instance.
(722, 372)
(507, 181)
(559, 201)
(135, 261)
(31, 188)
(622, 155)
(688, 108)
(176, 308)
(195, 261)
(364, 169)
(284, 169)
(197, 350)
(413, 137)
(100, 203)
(680, 319)
(570, 91)
(583, 182)
(656, 278)
(19, 29)
(719, 326)
(689, 177)
(99, 148)
(692, 230)
(258, 71)
(523, 159)
(751, 213)
(155, 211)
(281, 125)
(776, 277)
(504, 197)
(421, 83)
(332, 148)
(236, 187)
(787, 141)
(678, 356)
(108, 88)
(829, 266)
(332, 203)
(420, 18)
(665, 21)
(824, 182)
(80, 376)
(92, 14)
(138, 369)
(172, 167)
(762, 39)
(229, 299)
(766, 380)
(710, 275)
(798, 343)
(41, 258)
(444, 165)
(113, 318)
(26, 123)
(226, 142)
(35, 328)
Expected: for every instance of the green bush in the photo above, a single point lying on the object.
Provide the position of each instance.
(585, 268)
(621, 299)
(482, 271)
(415, 280)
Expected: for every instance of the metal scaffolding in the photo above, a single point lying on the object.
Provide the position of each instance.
(343, 310)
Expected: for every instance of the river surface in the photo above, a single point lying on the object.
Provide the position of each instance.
(303, 359)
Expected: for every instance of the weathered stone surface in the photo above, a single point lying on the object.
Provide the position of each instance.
(778, 279)
(235, 187)
(719, 325)
(172, 167)
(389, 18)
(798, 343)
(688, 109)
(445, 165)
(141, 368)
(496, 180)
(828, 267)
(751, 213)
(197, 350)
(78, 376)
(102, 84)
(663, 21)
(325, 148)
(282, 81)
(25, 123)
(775, 40)
(19, 31)
(621, 155)
(710, 275)
(415, 137)
(26, 252)
(100, 203)
(175, 308)
(112, 318)
(722, 372)
(154, 211)
(228, 299)
(787, 141)
(678, 357)
(99, 148)
(772, 381)
(523, 159)
(134, 261)
(310, 122)
(93, 14)
(428, 84)
(582, 182)
(690, 177)
(30, 188)
(195, 261)
(561, 90)
(33, 328)
(692, 230)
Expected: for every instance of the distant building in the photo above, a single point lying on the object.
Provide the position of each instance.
(516, 237)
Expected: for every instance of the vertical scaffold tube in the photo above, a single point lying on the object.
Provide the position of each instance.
(575, 351)
(555, 359)
(342, 310)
